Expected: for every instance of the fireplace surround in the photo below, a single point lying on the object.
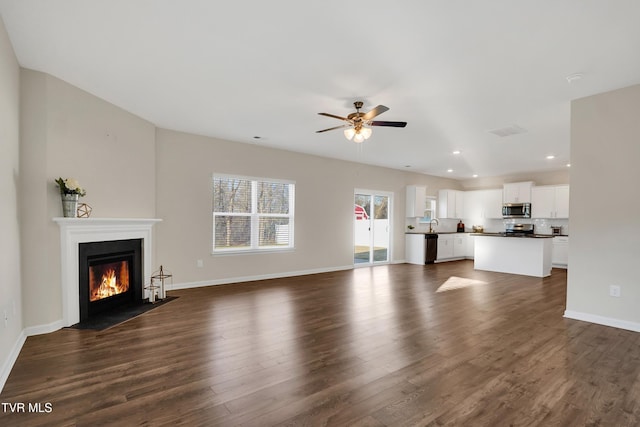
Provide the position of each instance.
(74, 231)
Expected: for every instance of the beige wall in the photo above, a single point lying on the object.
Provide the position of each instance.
(605, 201)
(120, 159)
(10, 292)
(323, 211)
(66, 132)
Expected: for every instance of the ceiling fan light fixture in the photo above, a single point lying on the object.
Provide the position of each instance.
(358, 127)
(349, 133)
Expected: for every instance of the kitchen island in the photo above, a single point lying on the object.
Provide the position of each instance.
(527, 255)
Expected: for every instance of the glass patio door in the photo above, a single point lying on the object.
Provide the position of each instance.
(371, 225)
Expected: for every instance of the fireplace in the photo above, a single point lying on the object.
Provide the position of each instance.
(110, 276)
(78, 231)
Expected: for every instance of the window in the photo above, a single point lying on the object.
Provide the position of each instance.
(430, 209)
(252, 214)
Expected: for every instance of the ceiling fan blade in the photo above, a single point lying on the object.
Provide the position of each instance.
(335, 117)
(392, 124)
(376, 111)
(333, 128)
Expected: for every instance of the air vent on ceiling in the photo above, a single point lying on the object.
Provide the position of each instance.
(508, 131)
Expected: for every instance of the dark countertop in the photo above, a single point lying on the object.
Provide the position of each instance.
(437, 232)
(529, 236)
(533, 236)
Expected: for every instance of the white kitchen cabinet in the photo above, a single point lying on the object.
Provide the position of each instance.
(470, 246)
(452, 246)
(483, 204)
(550, 201)
(445, 247)
(560, 251)
(562, 201)
(517, 192)
(451, 204)
(472, 204)
(414, 248)
(543, 202)
(416, 201)
(492, 204)
(460, 245)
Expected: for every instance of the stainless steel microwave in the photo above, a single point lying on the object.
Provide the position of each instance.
(516, 210)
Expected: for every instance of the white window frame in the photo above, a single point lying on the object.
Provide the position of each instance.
(255, 217)
(431, 207)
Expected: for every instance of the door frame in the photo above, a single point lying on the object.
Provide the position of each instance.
(372, 194)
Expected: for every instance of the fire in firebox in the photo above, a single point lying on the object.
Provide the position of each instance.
(106, 280)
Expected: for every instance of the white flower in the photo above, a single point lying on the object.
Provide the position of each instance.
(72, 184)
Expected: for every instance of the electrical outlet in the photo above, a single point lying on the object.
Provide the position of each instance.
(200, 263)
(614, 290)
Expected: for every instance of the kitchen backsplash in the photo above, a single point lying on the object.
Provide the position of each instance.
(543, 226)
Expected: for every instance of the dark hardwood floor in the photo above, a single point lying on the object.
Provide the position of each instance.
(385, 346)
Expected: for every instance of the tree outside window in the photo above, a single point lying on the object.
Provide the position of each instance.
(252, 214)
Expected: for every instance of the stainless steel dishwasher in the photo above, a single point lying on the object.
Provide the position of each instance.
(430, 248)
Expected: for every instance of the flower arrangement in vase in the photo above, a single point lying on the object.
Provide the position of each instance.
(70, 191)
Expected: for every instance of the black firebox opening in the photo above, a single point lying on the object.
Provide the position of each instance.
(110, 276)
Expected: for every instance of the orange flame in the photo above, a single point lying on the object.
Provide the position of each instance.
(114, 281)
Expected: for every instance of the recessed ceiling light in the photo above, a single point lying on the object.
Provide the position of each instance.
(407, 166)
(568, 165)
(475, 175)
(457, 152)
(449, 170)
(551, 156)
(257, 137)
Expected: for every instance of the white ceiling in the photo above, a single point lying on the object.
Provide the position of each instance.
(453, 69)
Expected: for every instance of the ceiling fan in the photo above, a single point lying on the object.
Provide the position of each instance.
(358, 126)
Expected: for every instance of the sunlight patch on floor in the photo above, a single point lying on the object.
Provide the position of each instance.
(455, 282)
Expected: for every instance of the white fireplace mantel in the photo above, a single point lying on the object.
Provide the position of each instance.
(83, 230)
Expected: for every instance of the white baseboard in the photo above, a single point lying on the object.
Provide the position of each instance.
(17, 347)
(188, 285)
(11, 360)
(44, 329)
(15, 351)
(601, 320)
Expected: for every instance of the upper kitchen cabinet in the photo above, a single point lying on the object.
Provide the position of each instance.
(483, 204)
(451, 204)
(550, 201)
(416, 201)
(517, 192)
(562, 201)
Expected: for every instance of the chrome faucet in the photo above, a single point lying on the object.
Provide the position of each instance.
(431, 223)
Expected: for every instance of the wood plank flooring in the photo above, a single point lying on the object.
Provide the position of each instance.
(397, 345)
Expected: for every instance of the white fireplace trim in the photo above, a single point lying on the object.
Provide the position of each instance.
(74, 231)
